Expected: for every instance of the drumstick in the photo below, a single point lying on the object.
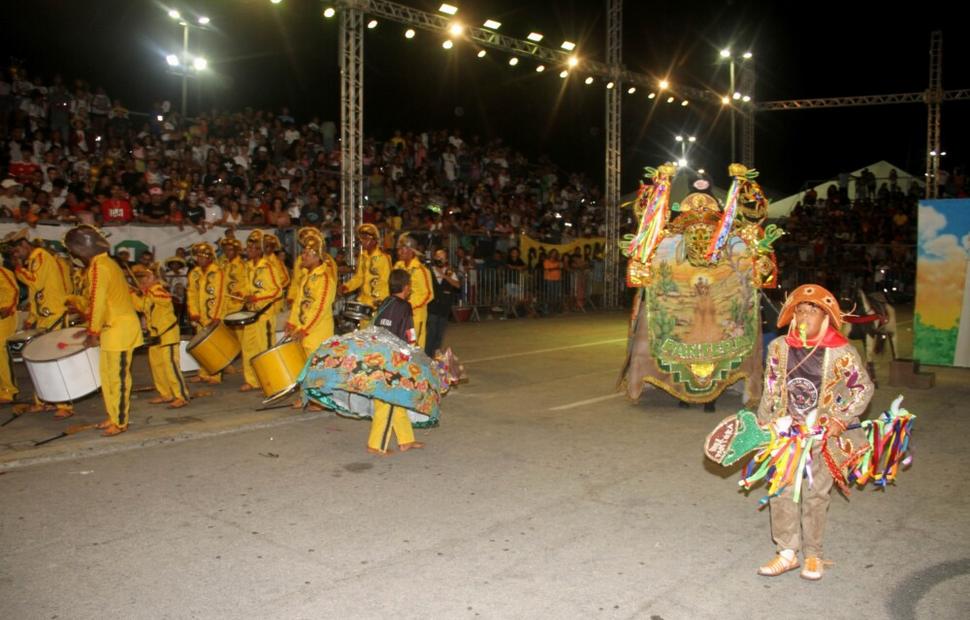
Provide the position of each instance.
(70, 431)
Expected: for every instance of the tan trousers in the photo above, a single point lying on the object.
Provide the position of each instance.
(801, 526)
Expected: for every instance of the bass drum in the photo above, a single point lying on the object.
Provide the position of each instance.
(278, 368)
(62, 368)
(214, 347)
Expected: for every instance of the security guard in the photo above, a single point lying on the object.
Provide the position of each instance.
(206, 296)
(422, 291)
(373, 269)
(154, 302)
(262, 291)
(112, 322)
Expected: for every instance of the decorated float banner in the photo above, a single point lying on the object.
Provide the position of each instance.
(941, 319)
(531, 249)
(163, 240)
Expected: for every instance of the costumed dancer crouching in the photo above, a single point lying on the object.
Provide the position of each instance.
(154, 302)
(262, 291)
(373, 270)
(422, 291)
(48, 288)
(206, 297)
(394, 315)
(813, 377)
(311, 315)
(112, 323)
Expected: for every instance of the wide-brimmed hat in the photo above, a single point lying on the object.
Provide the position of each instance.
(14, 237)
(813, 294)
(203, 248)
(369, 229)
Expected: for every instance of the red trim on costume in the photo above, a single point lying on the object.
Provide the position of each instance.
(832, 338)
(323, 301)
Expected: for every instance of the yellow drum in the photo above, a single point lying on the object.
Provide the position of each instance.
(214, 347)
(278, 368)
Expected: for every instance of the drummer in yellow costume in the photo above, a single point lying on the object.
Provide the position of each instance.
(271, 245)
(9, 295)
(206, 295)
(154, 302)
(47, 292)
(422, 291)
(296, 280)
(373, 269)
(311, 317)
(112, 323)
(262, 289)
(234, 267)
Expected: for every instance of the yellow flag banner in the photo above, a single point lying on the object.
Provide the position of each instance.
(592, 247)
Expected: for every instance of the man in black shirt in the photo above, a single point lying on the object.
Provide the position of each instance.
(395, 315)
(446, 287)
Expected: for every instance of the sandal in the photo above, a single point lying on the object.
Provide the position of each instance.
(814, 568)
(778, 566)
(246, 388)
(63, 414)
(159, 401)
(177, 403)
(414, 445)
(113, 429)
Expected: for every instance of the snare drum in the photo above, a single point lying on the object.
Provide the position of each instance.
(61, 367)
(358, 311)
(18, 340)
(214, 347)
(240, 319)
(278, 368)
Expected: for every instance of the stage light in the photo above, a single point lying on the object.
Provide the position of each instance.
(746, 98)
(664, 84)
(174, 14)
(589, 80)
(747, 55)
(725, 53)
(631, 90)
(447, 44)
(671, 99)
(492, 24)
(482, 53)
(172, 60)
(568, 46)
(682, 163)
(540, 68)
(534, 37)
(609, 85)
(573, 61)
(513, 61)
(456, 29)
(159, 118)
(200, 63)
(736, 96)
(329, 12)
(563, 74)
(684, 102)
(725, 100)
(652, 96)
(701, 171)
(275, 1)
(448, 9)
(203, 20)
(679, 138)
(409, 33)
(692, 139)
(372, 24)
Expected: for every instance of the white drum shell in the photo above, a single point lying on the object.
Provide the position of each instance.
(66, 379)
(187, 363)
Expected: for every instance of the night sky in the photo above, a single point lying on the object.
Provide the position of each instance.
(265, 55)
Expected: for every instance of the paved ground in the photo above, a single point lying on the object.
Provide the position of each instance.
(542, 495)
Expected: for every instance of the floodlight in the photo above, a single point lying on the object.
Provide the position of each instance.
(448, 9)
(492, 24)
(534, 37)
(568, 46)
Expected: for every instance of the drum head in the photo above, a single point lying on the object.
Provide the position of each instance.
(23, 336)
(243, 317)
(199, 337)
(55, 345)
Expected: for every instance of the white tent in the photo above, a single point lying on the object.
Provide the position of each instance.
(881, 169)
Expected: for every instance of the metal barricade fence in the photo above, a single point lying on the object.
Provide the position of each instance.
(511, 293)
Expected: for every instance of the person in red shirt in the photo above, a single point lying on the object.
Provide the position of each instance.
(117, 209)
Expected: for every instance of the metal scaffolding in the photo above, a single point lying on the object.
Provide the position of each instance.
(351, 121)
(614, 55)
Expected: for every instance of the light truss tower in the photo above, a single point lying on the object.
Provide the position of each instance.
(351, 121)
(614, 49)
(934, 97)
(747, 85)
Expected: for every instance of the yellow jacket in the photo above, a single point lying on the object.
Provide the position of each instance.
(206, 294)
(422, 291)
(262, 283)
(156, 306)
(296, 281)
(313, 311)
(9, 296)
(111, 314)
(371, 277)
(235, 271)
(47, 288)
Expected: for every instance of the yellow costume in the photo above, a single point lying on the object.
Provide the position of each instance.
(312, 313)
(111, 317)
(388, 417)
(163, 358)
(421, 294)
(373, 270)
(206, 297)
(47, 289)
(296, 281)
(9, 295)
(270, 246)
(264, 288)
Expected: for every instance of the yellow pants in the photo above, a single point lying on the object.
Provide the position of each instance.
(116, 384)
(7, 388)
(421, 326)
(167, 372)
(389, 417)
(256, 338)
